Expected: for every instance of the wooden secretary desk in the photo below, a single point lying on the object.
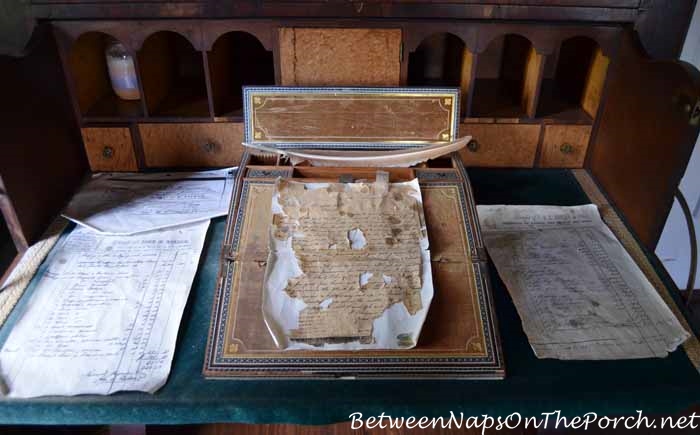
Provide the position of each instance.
(545, 84)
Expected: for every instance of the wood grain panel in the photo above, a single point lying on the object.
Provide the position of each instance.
(329, 116)
(644, 139)
(109, 149)
(534, 68)
(593, 91)
(192, 145)
(467, 79)
(565, 146)
(501, 145)
(321, 57)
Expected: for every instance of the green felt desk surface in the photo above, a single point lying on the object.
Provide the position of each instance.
(532, 386)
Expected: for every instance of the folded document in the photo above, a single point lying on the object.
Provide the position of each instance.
(130, 203)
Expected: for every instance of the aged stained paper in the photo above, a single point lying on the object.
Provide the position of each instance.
(104, 314)
(131, 203)
(349, 265)
(579, 294)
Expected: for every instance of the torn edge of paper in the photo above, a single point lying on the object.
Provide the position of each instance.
(348, 267)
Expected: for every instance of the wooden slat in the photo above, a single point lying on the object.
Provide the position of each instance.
(593, 91)
(467, 79)
(534, 68)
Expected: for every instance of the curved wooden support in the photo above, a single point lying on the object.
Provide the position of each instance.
(648, 128)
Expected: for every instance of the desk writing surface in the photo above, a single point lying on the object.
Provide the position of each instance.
(532, 386)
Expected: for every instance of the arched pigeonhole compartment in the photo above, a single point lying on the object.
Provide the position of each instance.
(506, 79)
(89, 73)
(573, 81)
(237, 59)
(172, 71)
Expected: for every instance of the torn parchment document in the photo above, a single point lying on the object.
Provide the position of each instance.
(578, 292)
(130, 203)
(104, 314)
(349, 266)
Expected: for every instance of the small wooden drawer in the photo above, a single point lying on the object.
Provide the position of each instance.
(565, 146)
(192, 145)
(500, 145)
(109, 149)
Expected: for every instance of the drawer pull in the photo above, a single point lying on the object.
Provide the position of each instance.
(107, 152)
(209, 147)
(473, 145)
(566, 148)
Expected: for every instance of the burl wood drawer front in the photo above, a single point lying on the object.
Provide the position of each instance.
(500, 145)
(351, 57)
(192, 145)
(109, 149)
(565, 146)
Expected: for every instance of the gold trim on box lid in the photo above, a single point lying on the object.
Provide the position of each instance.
(350, 118)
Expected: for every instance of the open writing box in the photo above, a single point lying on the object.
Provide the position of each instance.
(459, 338)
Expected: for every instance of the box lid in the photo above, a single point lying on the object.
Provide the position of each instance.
(350, 118)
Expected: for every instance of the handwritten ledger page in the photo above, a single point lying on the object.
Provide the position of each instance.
(104, 315)
(578, 292)
(130, 203)
(349, 266)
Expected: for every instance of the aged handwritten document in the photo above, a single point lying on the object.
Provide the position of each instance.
(130, 203)
(578, 292)
(104, 314)
(349, 266)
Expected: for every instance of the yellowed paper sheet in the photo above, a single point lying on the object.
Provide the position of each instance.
(349, 265)
(104, 314)
(579, 294)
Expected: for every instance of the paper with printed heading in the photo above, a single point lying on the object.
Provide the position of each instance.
(104, 315)
(579, 294)
(131, 203)
(349, 265)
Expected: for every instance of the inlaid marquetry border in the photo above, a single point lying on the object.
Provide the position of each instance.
(225, 358)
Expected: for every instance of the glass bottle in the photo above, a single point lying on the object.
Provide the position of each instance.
(122, 72)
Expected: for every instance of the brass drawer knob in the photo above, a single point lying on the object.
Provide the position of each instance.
(107, 152)
(473, 145)
(209, 147)
(566, 148)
